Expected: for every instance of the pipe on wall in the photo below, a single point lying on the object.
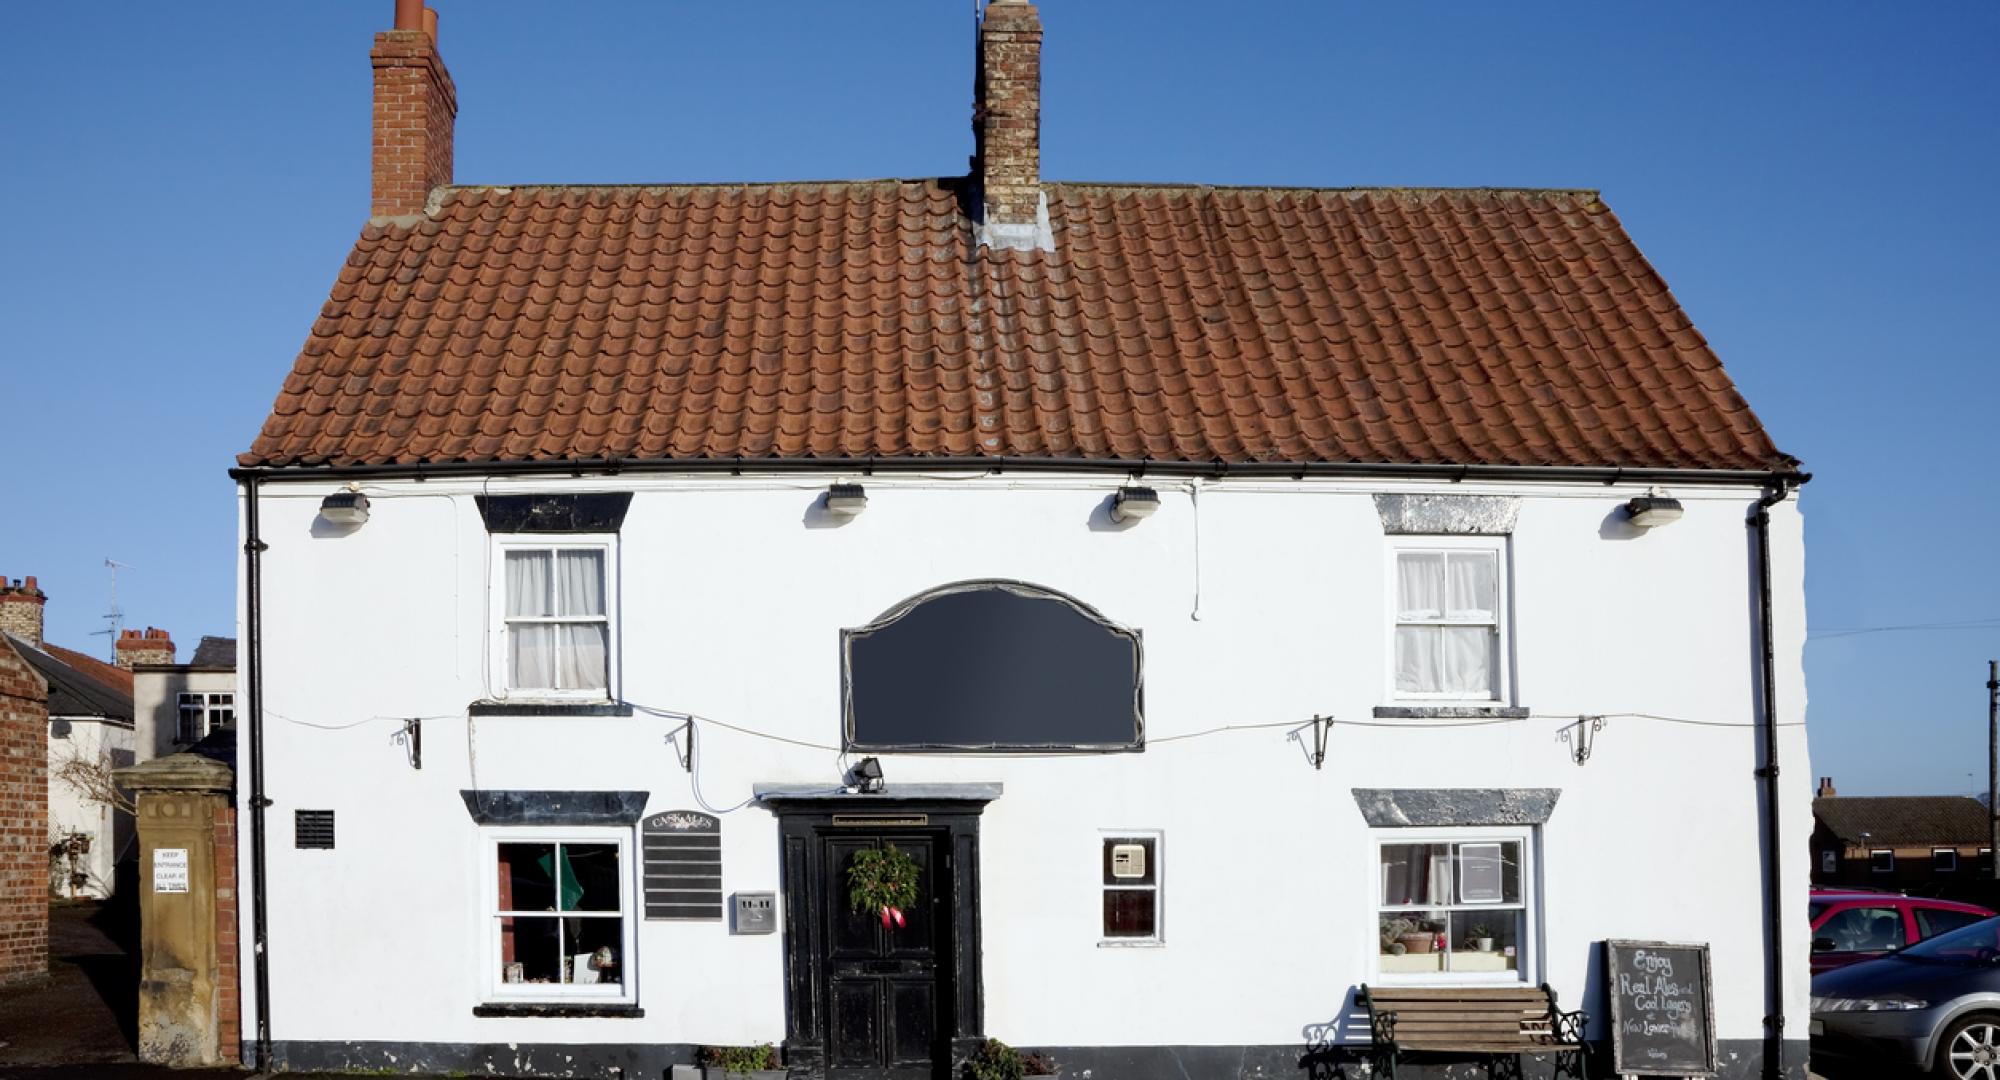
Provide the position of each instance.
(253, 677)
(1774, 899)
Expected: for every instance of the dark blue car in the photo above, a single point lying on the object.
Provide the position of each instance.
(1934, 1005)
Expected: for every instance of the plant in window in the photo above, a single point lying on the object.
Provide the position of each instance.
(1392, 935)
(882, 879)
(1482, 937)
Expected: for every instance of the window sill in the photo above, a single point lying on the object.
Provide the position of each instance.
(1136, 943)
(548, 708)
(552, 1010)
(1493, 711)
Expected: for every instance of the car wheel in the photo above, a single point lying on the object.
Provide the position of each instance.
(1970, 1049)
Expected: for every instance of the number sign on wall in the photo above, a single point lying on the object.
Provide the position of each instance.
(682, 861)
(1662, 1018)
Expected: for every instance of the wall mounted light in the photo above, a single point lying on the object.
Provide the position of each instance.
(1652, 510)
(1134, 504)
(846, 500)
(868, 776)
(345, 508)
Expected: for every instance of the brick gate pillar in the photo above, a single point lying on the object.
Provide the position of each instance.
(187, 907)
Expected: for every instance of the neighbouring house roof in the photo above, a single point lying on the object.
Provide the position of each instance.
(79, 685)
(831, 321)
(1899, 820)
(214, 652)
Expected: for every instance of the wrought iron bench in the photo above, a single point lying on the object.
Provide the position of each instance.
(1498, 1023)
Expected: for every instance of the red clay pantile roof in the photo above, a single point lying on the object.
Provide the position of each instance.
(846, 320)
(110, 675)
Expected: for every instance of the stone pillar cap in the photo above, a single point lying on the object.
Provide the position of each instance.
(185, 771)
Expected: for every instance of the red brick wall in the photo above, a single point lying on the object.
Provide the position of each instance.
(415, 109)
(24, 820)
(1010, 112)
(228, 1013)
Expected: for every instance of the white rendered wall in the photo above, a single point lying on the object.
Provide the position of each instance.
(156, 699)
(72, 810)
(1268, 604)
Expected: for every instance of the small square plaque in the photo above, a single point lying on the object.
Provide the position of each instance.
(756, 913)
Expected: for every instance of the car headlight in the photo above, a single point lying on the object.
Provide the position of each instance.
(1885, 1003)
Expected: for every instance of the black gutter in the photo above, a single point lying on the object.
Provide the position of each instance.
(253, 587)
(1774, 901)
(574, 467)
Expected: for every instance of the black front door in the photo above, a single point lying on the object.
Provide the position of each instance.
(886, 987)
(862, 1002)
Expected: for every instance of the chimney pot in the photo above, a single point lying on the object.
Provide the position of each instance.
(431, 25)
(1825, 788)
(409, 14)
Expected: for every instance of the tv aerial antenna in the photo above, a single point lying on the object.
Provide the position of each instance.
(114, 616)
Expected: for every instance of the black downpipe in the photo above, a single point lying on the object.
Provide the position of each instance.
(1774, 900)
(253, 589)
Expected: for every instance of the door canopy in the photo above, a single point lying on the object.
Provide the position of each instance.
(993, 665)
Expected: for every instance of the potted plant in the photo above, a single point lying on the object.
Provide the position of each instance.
(998, 1061)
(758, 1062)
(883, 881)
(1392, 935)
(1482, 937)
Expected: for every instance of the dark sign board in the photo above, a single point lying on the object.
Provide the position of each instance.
(992, 665)
(1662, 1011)
(681, 853)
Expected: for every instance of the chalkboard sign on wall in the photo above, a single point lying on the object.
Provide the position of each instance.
(1662, 1011)
(682, 853)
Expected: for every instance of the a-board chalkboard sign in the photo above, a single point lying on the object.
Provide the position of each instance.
(682, 862)
(1662, 1011)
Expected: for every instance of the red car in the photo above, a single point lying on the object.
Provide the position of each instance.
(1849, 926)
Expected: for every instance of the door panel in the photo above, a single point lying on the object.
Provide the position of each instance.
(857, 1024)
(912, 1021)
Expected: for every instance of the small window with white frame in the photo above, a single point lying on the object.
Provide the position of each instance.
(1449, 607)
(1454, 906)
(554, 605)
(560, 914)
(1944, 860)
(1882, 860)
(1132, 876)
(199, 715)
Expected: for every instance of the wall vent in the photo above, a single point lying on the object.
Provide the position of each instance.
(313, 829)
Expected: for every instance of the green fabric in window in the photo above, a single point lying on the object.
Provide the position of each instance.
(568, 891)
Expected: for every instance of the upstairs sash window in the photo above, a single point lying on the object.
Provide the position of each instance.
(557, 620)
(1448, 622)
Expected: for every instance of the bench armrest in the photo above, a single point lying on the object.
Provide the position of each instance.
(1382, 1027)
(1570, 1025)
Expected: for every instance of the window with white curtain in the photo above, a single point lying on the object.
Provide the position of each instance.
(1450, 613)
(556, 618)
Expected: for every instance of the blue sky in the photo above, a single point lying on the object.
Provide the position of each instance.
(1815, 180)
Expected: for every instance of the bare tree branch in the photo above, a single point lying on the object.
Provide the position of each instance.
(93, 778)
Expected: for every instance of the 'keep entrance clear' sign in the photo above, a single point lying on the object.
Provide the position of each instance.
(170, 870)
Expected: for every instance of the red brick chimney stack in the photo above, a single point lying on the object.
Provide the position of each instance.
(148, 646)
(1007, 120)
(416, 107)
(21, 605)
